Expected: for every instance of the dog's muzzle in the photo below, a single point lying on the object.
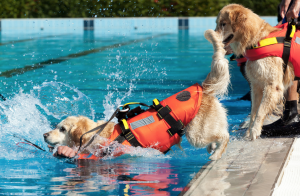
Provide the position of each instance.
(228, 39)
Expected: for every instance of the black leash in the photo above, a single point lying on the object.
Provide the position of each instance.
(16, 136)
(101, 128)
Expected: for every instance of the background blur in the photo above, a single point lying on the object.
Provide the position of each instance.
(126, 8)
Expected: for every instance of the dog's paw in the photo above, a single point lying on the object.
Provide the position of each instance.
(247, 133)
(211, 147)
(254, 134)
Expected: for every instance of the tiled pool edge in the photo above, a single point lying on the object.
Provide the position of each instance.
(289, 172)
(112, 25)
(261, 182)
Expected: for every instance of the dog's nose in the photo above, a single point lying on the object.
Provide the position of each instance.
(46, 135)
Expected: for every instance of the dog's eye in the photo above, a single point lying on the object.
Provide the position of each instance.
(223, 24)
(62, 129)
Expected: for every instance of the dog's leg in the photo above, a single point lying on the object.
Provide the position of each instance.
(256, 97)
(273, 93)
(221, 147)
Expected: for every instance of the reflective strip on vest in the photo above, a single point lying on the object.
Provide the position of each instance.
(155, 135)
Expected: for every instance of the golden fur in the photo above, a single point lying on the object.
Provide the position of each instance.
(69, 131)
(208, 128)
(268, 82)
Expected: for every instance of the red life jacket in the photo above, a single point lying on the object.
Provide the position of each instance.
(261, 50)
(153, 128)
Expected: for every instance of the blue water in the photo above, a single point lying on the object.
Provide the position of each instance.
(124, 70)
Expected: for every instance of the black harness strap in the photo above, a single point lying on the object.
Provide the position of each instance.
(287, 45)
(176, 126)
(286, 54)
(297, 78)
(157, 106)
(126, 135)
(164, 113)
(120, 139)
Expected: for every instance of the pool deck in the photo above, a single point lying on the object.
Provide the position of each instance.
(251, 168)
(264, 167)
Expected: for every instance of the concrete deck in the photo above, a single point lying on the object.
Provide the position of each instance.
(289, 178)
(265, 167)
(247, 168)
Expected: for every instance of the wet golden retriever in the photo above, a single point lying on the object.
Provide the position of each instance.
(241, 28)
(208, 128)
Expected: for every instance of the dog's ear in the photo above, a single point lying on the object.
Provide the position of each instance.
(237, 19)
(78, 130)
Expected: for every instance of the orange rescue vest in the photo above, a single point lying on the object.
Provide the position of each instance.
(270, 46)
(157, 126)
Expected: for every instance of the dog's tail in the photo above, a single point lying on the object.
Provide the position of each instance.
(218, 80)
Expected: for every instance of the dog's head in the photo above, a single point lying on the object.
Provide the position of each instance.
(238, 26)
(69, 131)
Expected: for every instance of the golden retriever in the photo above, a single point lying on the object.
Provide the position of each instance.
(241, 28)
(69, 131)
(208, 128)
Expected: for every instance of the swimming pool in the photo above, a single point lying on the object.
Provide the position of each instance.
(47, 76)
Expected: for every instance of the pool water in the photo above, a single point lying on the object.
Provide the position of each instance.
(45, 80)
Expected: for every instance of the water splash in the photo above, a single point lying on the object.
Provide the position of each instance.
(31, 115)
(111, 103)
(20, 116)
(61, 100)
(116, 149)
(27, 116)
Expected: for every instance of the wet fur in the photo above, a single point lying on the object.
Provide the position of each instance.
(268, 83)
(69, 131)
(208, 128)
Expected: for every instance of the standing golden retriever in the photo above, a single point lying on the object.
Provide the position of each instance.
(241, 29)
(207, 128)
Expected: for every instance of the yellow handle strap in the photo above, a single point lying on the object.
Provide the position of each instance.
(130, 103)
(266, 42)
(155, 101)
(272, 40)
(293, 31)
(126, 126)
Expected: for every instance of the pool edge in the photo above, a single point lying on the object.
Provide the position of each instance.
(267, 173)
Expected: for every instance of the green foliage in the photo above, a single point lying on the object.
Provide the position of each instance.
(197, 7)
(262, 7)
(125, 8)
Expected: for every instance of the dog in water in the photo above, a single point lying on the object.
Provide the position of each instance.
(242, 29)
(208, 128)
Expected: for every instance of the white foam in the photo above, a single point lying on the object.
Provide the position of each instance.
(61, 100)
(25, 115)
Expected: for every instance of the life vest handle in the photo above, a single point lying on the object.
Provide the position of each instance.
(126, 105)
